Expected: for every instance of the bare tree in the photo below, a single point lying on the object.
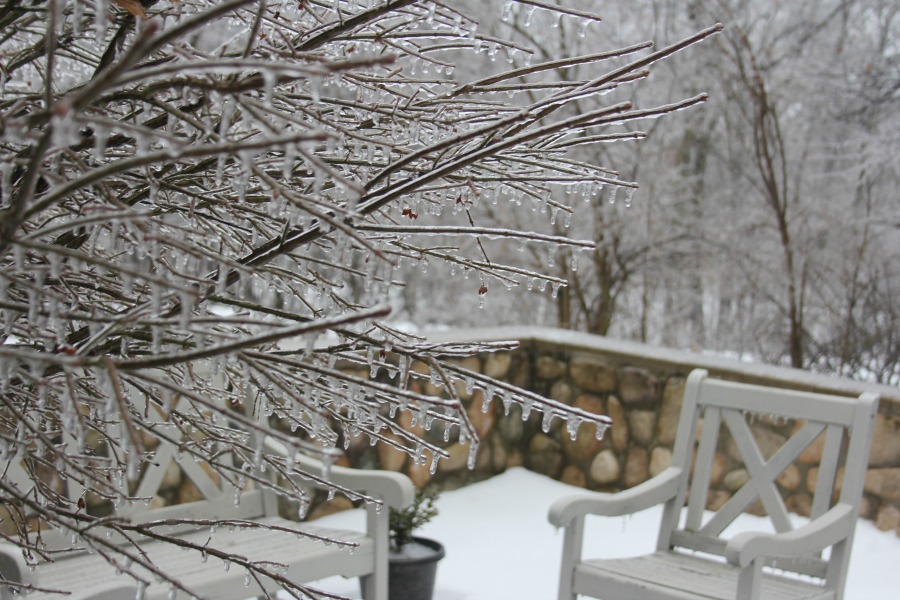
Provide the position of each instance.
(206, 205)
(764, 224)
(631, 238)
(789, 145)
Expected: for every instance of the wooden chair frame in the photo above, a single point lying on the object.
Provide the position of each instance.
(693, 559)
(306, 557)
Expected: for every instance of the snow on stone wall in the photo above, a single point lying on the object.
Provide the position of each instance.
(641, 388)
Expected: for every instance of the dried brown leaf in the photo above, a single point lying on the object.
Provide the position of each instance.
(132, 6)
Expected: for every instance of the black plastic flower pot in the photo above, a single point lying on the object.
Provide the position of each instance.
(412, 571)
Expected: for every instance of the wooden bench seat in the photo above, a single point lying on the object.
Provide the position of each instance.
(306, 560)
(251, 529)
(675, 575)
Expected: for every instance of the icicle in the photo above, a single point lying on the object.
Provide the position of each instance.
(243, 179)
(258, 453)
(546, 421)
(64, 127)
(601, 430)
(457, 25)
(101, 134)
(315, 89)
(583, 27)
(19, 258)
(447, 428)
(327, 462)
(422, 416)
(392, 372)
(507, 11)
(269, 81)
(529, 16)
(434, 378)
(370, 360)
(419, 454)
(187, 307)
(222, 280)
(156, 333)
(100, 19)
(527, 405)
(488, 395)
(6, 169)
(132, 466)
(34, 304)
(220, 169)
(572, 425)
(429, 422)
(613, 193)
(473, 454)
(287, 166)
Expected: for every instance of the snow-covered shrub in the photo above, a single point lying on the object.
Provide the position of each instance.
(206, 205)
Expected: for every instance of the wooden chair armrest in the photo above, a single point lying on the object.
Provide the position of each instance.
(833, 526)
(654, 491)
(108, 590)
(394, 489)
(13, 568)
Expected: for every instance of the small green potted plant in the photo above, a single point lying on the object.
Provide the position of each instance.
(413, 560)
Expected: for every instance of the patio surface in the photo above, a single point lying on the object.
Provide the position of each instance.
(501, 547)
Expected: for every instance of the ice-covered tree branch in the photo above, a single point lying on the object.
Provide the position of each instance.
(206, 211)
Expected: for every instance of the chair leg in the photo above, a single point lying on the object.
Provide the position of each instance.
(750, 581)
(571, 555)
(375, 585)
(373, 588)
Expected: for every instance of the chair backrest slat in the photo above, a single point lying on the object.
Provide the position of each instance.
(828, 468)
(703, 468)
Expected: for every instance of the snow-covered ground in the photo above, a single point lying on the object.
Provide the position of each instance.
(500, 545)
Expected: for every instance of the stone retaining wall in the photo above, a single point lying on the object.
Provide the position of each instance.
(641, 388)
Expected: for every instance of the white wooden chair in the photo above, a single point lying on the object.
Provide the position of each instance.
(306, 557)
(693, 559)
